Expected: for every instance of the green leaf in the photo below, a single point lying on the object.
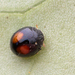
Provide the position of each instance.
(56, 19)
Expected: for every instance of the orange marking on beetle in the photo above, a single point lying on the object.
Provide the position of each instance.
(17, 37)
(23, 49)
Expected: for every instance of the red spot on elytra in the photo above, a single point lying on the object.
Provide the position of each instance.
(24, 49)
(17, 37)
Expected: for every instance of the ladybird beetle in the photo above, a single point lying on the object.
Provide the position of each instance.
(26, 41)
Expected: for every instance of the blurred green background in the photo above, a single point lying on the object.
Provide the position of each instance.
(56, 19)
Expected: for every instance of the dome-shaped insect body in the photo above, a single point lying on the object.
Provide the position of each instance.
(26, 41)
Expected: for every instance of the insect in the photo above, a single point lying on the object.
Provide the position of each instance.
(26, 41)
